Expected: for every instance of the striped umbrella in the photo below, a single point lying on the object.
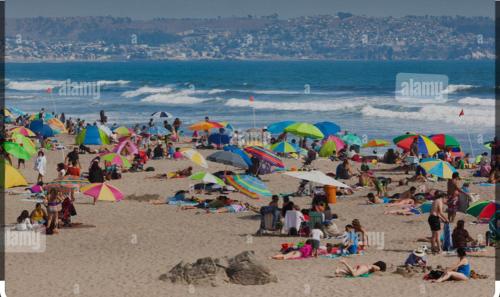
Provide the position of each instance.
(444, 140)
(425, 145)
(483, 210)
(305, 130)
(265, 155)
(249, 185)
(376, 143)
(67, 182)
(205, 125)
(57, 125)
(92, 135)
(207, 178)
(283, 147)
(116, 159)
(102, 191)
(438, 167)
(195, 157)
(23, 131)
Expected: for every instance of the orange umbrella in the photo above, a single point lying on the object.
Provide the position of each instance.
(206, 125)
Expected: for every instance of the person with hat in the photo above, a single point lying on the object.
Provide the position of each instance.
(417, 258)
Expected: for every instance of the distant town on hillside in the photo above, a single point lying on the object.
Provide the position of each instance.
(342, 36)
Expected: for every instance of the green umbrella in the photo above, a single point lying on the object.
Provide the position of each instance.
(305, 130)
(207, 178)
(477, 207)
(16, 150)
(27, 144)
(283, 147)
(327, 149)
(351, 139)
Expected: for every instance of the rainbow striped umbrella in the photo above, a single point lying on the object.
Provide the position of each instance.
(23, 131)
(483, 210)
(67, 182)
(249, 185)
(425, 145)
(103, 191)
(265, 155)
(116, 159)
(444, 140)
(438, 167)
(57, 125)
(305, 130)
(205, 125)
(283, 147)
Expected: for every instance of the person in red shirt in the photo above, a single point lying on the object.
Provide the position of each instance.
(73, 170)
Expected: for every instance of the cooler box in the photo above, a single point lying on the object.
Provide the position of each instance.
(331, 194)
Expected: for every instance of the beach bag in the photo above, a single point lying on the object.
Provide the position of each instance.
(435, 274)
(149, 169)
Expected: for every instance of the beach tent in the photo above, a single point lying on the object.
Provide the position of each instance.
(10, 177)
(228, 158)
(328, 128)
(105, 129)
(127, 145)
(92, 135)
(316, 176)
(40, 128)
(219, 139)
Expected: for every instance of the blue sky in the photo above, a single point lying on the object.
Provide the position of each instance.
(147, 9)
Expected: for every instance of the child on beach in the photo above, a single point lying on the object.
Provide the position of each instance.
(316, 235)
(350, 244)
(24, 222)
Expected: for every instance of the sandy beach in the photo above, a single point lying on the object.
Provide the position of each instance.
(134, 242)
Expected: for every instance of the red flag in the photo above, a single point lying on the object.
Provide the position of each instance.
(461, 113)
(49, 90)
(251, 98)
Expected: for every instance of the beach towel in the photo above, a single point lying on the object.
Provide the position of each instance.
(361, 275)
(447, 240)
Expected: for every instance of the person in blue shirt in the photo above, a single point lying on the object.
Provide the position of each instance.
(351, 240)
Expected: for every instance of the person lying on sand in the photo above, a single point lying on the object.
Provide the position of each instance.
(234, 208)
(376, 199)
(405, 211)
(177, 174)
(303, 252)
(359, 269)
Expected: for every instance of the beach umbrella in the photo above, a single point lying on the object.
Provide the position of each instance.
(264, 155)
(126, 144)
(25, 142)
(36, 116)
(248, 185)
(102, 191)
(92, 135)
(425, 145)
(339, 143)
(316, 176)
(207, 178)
(438, 167)
(228, 158)
(488, 144)
(283, 147)
(10, 177)
(483, 210)
(205, 125)
(23, 131)
(6, 112)
(16, 150)
(158, 130)
(444, 140)
(194, 156)
(351, 139)
(328, 128)
(238, 151)
(57, 125)
(162, 114)
(16, 111)
(219, 139)
(328, 148)
(425, 207)
(123, 131)
(105, 129)
(116, 159)
(40, 128)
(305, 130)
(279, 127)
(68, 182)
(376, 143)
(493, 225)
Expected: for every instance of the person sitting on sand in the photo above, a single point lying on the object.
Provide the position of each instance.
(304, 252)
(177, 154)
(361, 269)
(459, 272)
(375, 199)
(416, 258)
(350, 244)
(38, 215)
(344, 170)
(460, 236)
(24, 222)
(361, 232)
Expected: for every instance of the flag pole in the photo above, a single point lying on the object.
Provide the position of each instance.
(462, 114)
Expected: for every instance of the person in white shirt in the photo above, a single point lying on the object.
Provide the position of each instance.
(24, 222)
(316, 235)
(41, 166)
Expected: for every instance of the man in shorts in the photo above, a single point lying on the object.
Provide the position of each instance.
(435, 217)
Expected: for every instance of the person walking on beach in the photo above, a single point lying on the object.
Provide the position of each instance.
(434, 220)
(41, 166)
(103, 117)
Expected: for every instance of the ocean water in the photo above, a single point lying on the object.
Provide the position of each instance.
(357, 95)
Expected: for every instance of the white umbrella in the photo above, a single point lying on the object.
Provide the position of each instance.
(105, 129)
(316, 176)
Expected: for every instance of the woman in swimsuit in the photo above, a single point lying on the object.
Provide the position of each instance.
(460, 272)
(53, 204)
(359, 269)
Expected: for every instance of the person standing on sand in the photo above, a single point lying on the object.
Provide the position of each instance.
(40, 166)
(454, 190)
(435, 217)
(414, 148)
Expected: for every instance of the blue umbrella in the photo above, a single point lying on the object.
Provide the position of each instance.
(40, 128)
(328, 128)
(238, 151)
(218, 139)
(278, 127)
(158, 130)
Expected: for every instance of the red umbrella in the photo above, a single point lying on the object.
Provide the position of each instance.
(265, 155)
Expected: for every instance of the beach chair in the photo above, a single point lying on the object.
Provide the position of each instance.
(315, 217)
(268, 228)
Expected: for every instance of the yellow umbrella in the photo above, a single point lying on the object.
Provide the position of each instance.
(195, 157)
(23, 131)
(56, 124)
(11, 176)
(28, 145)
